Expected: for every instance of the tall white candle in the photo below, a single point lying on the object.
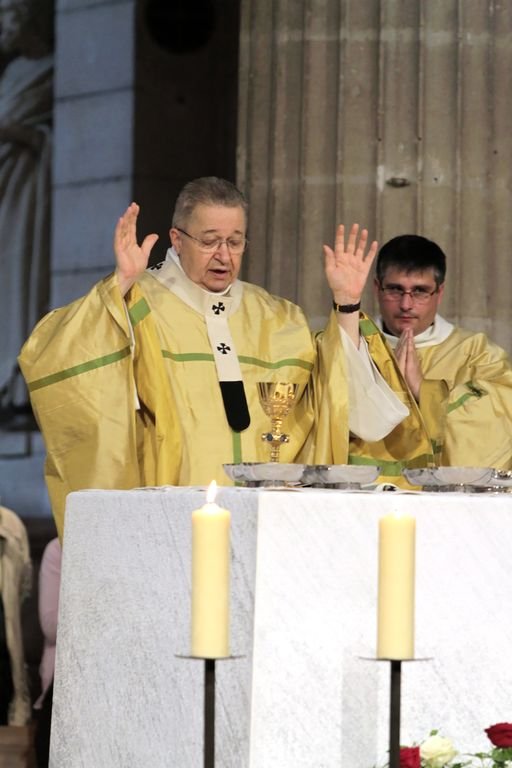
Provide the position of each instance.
(397, 544)
(210, 579)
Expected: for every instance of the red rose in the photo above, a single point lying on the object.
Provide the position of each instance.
(410, 757)
(500, 735)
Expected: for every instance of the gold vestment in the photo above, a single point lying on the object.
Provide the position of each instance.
(464, 416)
(88, 366)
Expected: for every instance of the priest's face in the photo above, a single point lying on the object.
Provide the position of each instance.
(408, 299)
(211, 244)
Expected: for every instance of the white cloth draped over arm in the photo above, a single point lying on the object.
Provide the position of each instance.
(375, 410)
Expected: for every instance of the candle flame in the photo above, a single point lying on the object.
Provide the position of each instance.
(211, 492)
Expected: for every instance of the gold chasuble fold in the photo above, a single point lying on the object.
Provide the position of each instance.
(331, 398)
(79, 371)
(127, 393)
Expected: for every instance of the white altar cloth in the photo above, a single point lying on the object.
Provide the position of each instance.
(304, 587)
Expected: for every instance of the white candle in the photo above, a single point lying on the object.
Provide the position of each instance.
(210, 579)
(397, 542)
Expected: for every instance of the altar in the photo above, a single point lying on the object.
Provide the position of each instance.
(303, 689)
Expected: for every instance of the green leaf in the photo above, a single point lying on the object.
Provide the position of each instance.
(501, 755)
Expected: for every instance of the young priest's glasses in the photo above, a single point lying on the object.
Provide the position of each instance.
(235, 244)
(419, 294)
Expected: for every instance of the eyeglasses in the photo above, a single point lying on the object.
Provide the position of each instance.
(395, 293)
(235, 244)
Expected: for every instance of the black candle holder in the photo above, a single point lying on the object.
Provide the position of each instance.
(395, 696)
(209, 704)
(395, 702)
(209, 713)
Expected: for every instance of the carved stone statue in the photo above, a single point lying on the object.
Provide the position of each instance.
(26, 98)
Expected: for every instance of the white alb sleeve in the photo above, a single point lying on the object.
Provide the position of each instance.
(374, 409)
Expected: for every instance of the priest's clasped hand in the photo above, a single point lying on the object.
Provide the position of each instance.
(409, 362)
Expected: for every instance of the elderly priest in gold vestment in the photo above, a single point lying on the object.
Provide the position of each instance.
(151, 379)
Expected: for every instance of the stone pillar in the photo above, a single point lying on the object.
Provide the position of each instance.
(145, 99)
(94, 122)
(289, 134)
(388, 114)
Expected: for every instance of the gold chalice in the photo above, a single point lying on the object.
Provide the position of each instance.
(277, 399)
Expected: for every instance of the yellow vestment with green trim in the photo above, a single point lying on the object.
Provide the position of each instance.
(464, 416)
(127, 395)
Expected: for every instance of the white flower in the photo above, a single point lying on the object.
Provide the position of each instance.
(436, 751)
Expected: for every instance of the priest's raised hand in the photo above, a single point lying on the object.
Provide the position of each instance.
(131, 258)
(347, 268)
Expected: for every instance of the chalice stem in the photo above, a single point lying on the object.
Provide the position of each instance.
(275, 446)
(277, 423)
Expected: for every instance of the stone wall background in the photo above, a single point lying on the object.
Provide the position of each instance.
(392, 113)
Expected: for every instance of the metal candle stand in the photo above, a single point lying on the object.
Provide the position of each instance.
(209, 713)
(395, 698)
(209, 705)
(394, 713)
(209, 709)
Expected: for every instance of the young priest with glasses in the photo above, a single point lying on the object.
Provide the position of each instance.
(456, 383)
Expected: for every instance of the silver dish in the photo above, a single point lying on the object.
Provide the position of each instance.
(501, 478)
(265, 474)
(490, 488)
(449, 478)
(340, 475)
